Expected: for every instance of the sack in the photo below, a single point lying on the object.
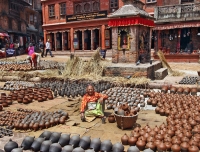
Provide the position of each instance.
(96, 112)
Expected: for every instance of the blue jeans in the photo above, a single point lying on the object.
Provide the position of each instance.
(48, 50)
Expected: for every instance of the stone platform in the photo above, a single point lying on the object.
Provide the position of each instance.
(129, 69)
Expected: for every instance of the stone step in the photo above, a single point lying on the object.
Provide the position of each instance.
(161, 73)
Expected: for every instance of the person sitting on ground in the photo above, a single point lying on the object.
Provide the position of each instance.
(92, 104)
(34, 60)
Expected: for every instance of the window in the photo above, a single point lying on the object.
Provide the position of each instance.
(87, 7)
(35, 19)
(63, 9)
(151, 1)
(51, 10)
(78, 8)
(113, 3)
(95, 6)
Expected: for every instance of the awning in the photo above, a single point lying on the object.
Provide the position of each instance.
(176, 25)
(130, 21)
(4, 35)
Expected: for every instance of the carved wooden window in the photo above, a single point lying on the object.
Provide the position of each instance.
(87, 7)
(78, 9)
(62, 8)
(51, 10)
(95, 6)
(150, 1)
(114, 4)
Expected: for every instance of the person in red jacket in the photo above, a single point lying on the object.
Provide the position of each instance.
(34, 60)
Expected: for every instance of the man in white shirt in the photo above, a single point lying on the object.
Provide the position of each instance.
(48, 48)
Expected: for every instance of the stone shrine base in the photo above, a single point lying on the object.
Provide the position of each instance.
(129, 69)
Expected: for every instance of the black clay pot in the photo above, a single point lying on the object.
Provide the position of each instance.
(74, 141)
(133, 149)
(148, 150)
(37, 144)
(55, 136)
(46, 135)
(95, 144)
(17, 150)
(27, 142)
(106, 145)
(85, 142)
(10, 145)
(64, 139)
(67, 148)
(118, 147)
(45, 146)
(55, 147)
(78, 149)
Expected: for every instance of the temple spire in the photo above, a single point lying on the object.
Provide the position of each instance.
(136, 3)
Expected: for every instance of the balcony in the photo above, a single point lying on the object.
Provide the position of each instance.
(177, 13)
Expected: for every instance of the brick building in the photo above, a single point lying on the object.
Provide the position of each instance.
(78, 24)
(176, 23)
(20, 20)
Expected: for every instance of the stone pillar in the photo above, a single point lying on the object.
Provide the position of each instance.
(45, 36)
(178, 45)
(115, 53)
(103, 37)
(55, 41)
(92, 40)
(63, 45)
(72, 39)
(83, 43)
(159, 41)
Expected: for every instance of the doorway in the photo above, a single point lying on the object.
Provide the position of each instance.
(87, 40)
(96, 39)
(185, 37)
(80, 47)
(59, 41)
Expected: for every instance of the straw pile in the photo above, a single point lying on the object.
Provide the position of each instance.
(166, 65)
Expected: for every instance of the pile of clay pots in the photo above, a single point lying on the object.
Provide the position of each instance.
(182, 131)
(26, 96)
(125, 110)
(179, 90)
(189, 80)
(118, 95)
(41, 120)
(16, 85)
(57, 142)
(5, 132)
(8, 118)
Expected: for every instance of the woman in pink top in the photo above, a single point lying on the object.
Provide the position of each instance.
(31, 49)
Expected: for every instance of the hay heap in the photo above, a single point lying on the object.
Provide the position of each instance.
(166, 65)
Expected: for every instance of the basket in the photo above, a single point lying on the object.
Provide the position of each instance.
(126, 122)
(198, 73)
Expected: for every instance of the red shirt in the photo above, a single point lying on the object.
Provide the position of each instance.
(94, 98)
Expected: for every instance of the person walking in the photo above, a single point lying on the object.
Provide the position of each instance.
(48, 48)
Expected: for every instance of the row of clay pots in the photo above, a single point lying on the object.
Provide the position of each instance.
(179, 90)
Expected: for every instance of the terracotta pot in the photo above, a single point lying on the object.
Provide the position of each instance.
(176, 148)
(151, 145)
(124, 139)
(184, 146)
(193, 148)
(111, 118)
(140, 144)
(132, 141)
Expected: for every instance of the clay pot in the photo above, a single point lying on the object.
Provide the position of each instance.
(85, 142)
(132, 141)
(140, 144)
(46, 135)
(133, 149)
(37, 144)
(118, 147)
(67, 148)
(111, 119)
(95, 144)
(55, 147)
(10, 145)
(161, 147)
(64, 139)
(106, 145)
(74, 140)
(151, 145)
(124, 139)
(193, 148)
(45, 146)
(184, 146)
(176, 148)
(27, 142)
(55, 137)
